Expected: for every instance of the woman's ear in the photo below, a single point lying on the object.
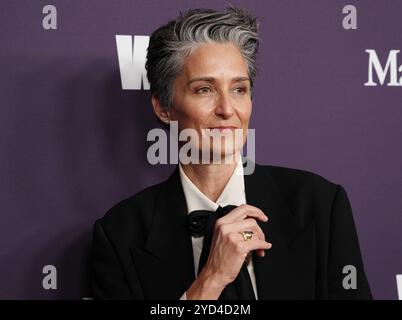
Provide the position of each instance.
(160, 112)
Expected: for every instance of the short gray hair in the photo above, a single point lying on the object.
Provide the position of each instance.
(170, 44)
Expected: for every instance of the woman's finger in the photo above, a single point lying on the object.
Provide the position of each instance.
(248, 224)
(242, 212)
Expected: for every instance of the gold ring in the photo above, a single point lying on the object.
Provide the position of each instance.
(247, 235)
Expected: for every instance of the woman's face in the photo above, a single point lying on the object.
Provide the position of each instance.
(213, 92)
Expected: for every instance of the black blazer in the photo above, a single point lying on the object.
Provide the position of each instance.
(141, 248)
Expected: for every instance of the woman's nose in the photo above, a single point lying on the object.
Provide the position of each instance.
(224, 107)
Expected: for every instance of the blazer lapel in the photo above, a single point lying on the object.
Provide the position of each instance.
(287, 269)
(170, 242)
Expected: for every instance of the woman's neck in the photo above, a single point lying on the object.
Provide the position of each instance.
(210, 179)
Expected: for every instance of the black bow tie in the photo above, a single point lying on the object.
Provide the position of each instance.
(201, 223)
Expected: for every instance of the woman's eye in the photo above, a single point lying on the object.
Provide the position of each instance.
(203, 90)
(240, 90)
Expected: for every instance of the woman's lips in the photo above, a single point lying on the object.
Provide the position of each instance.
(224, 129)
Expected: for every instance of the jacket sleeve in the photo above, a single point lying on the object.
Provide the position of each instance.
(346, 276)
(108, 280)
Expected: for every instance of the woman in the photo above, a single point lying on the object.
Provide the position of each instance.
(210, 231)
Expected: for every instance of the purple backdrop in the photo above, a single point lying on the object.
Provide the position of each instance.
(73, 143)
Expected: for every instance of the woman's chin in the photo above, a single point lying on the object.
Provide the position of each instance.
(218, 156)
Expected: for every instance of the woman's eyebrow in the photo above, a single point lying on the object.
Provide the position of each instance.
(212, 79)
(237, 79)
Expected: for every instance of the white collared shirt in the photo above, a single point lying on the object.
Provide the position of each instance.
(232, 194)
